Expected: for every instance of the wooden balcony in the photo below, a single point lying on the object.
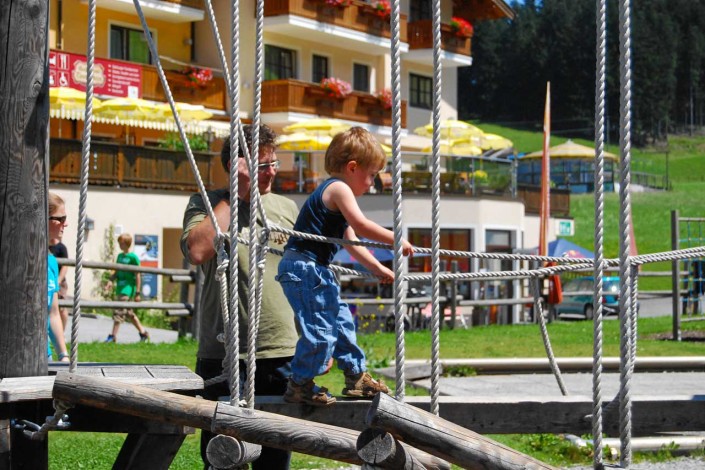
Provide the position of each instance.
(421, 37)
(213, 95)
(295, 96)
(197, 4)
(531, 195)
(129, 166)
(359, 16)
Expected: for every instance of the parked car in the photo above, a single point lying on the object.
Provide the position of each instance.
(577, 297)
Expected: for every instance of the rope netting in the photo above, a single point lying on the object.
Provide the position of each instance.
(257, 241)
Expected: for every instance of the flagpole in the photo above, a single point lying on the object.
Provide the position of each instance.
(545, 207)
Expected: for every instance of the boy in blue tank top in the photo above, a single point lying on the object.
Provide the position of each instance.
(325, 323)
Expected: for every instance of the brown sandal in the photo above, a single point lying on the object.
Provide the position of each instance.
(308, 393)
(362, 385)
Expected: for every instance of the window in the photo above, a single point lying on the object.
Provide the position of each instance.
(279, 63)
(420, 95)
(129, 44)
(320, 68)
(361, 78)
(420, 10)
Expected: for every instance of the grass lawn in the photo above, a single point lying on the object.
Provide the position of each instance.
(94, 451)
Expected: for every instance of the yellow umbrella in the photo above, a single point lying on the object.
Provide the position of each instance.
(126, 109)
(451, 129)
(456, 147)
(494, 142)
(69, 98)
(187, 111)
(570, 149)
(301, 141)
(318, 126)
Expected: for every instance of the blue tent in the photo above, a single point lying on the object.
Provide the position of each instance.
(564, 249)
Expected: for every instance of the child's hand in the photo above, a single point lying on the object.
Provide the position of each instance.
(385, 274)
(137, 297)
(407, 248)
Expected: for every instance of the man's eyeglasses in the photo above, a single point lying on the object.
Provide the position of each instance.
(61, 220)
(262, 167)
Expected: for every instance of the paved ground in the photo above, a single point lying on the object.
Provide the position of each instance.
(97, 327)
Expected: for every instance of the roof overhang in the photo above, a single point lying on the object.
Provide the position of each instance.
(156, 9)
(478, 10)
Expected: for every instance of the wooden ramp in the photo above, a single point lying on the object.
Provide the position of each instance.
(148, 445)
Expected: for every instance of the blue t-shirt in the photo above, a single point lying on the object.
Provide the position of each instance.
(53, 288)
(315, 218)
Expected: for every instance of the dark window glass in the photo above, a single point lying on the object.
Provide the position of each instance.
(361, 78)
(420, 10)
(279, 63)
(320, 68)
(129, 44)
(420, 95)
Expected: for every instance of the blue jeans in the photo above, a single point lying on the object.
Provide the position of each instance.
(325, 323)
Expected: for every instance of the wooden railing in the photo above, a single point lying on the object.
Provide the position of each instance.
(198, 4)
(129, 166)
(531, 195)
(359, 16)
(421, 37)
(213, 95)
(309, 98)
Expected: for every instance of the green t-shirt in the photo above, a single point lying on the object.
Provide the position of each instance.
(126, 280)
(277, 335)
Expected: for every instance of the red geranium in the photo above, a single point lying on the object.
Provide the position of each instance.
(460, 27)
(336, 87)
(385, 96)
(382, 8)
(198, 78)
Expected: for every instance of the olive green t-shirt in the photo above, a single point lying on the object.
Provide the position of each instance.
(277, 334)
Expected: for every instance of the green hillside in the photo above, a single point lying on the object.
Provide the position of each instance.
(651, 210)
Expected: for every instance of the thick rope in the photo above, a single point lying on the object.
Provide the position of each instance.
(538, 308)
(399, 263)
(55, 422)
(435, 212)
(625, 298)
(83, 191)
(597, 353)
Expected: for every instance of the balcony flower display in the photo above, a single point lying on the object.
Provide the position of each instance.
(385, 97)
(338, 3)
(382, 8)
(197, 78)
(460, 27)
(480, 176)
(336, 88)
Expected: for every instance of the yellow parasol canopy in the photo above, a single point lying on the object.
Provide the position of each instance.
(494, 142)
(451, 129)
(456, 147)
(65, 102)
(128, 109)
(570, 149)
(300, 141)
(318, 126)
(187, 111)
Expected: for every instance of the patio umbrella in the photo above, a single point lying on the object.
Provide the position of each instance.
(318, 126)
(131, 112)
(456, 147)
(187, 112)
(569, 149)
(494, 142)
(451, 129)
(68, 103)
(301, 141)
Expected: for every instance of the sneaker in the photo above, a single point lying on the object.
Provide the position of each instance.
(362, 385)
(110, 339)
(308, 393)
(144, 337)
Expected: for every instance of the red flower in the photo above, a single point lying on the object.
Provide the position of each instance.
(338, 3)
(197, 78)
(460, 27)
(336, 87)
(382, 8)
(385, 96)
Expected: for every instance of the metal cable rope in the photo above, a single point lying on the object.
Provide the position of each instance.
(599, 268)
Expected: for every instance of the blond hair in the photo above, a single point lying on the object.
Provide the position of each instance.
(125, 238)
(55, 202)
(356, 144)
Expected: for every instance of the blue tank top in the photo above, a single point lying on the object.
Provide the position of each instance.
(315, 218)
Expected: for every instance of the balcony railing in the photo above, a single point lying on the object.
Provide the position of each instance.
(197, 4)
(358, 16)
(309, 98)
(129, 166)
(421, 37)
(213, 95)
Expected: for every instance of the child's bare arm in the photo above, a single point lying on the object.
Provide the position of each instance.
(362, 254)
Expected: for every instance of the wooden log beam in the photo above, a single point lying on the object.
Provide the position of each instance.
(444, 439)
(226, 452)
(379, 449)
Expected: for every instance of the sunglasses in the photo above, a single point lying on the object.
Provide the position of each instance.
(61, 220)
(262, 167)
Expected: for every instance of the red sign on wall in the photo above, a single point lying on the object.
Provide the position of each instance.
(110, 78)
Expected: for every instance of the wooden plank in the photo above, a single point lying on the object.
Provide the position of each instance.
(520, 414)
(148, 451)
(444, 439)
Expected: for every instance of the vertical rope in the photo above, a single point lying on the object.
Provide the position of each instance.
(535, 284)
(597, 353)
(624, 230)
(399, 286)
(83, 192)
(253, 320)
(232, 333)
(435, 212)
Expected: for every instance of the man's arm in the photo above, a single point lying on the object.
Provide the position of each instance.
(201, 238)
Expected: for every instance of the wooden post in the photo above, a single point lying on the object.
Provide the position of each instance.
(444, 439)
(226, 453)
(24, 114)
(453, 295)
(379, 449)
(675, 278)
